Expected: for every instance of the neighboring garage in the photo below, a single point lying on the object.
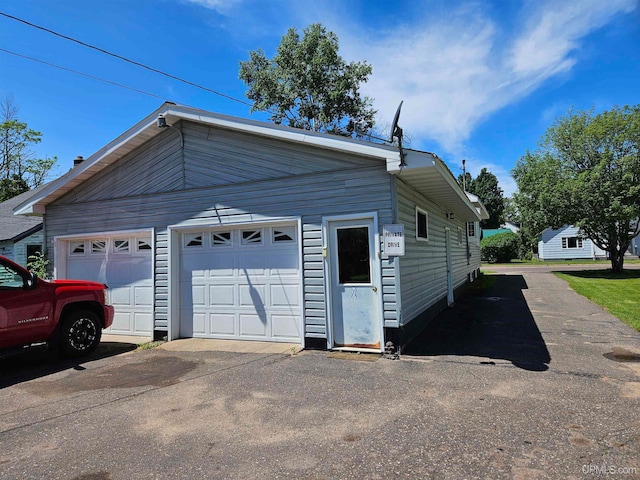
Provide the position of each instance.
(121, 260)
(241, 283)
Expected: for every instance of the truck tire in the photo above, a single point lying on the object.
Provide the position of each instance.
(80, 333)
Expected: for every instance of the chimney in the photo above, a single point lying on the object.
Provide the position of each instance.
(78, 160)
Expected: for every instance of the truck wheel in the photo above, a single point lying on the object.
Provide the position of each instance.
(80, 333)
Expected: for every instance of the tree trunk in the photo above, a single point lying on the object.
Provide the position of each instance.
(617, 259)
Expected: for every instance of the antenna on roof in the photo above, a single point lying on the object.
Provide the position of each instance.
(396, 131)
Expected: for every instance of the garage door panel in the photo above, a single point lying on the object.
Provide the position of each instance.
(223, 324)
(143, 296)
(285, 295)
(248, 286)
(120, 296)
(252, 296)
(143, 322)
(286, 326)
(252, 325)
(223, 295)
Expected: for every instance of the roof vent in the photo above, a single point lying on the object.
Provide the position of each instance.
(78, 160)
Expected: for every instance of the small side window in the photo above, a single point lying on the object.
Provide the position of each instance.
(422, 224)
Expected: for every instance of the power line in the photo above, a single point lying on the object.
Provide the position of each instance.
(125, 59)
(83, 74)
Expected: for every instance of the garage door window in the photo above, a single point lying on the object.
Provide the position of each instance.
(192, 240)
(98, 246)
(284, 235)
(144, 244)
(121, 246)
(220, 239)
(252, 237)
(76, 248)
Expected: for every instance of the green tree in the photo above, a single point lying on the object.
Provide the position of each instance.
(20, 170)
(308, 85)
(485, 186)
(586, 173)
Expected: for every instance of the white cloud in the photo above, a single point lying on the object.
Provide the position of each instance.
(221, 6)
(453, 72)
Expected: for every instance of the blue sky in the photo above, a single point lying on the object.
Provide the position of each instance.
(480, 80)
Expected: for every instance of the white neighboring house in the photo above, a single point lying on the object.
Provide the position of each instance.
(566, 243)
(634, 248)
(511, 226)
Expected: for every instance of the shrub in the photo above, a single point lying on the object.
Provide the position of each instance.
(501, 248)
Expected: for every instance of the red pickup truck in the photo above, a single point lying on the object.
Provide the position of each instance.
(67, 314)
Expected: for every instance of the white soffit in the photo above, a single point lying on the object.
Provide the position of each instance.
(428, 174)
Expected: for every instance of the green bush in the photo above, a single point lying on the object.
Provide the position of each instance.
(500, 248)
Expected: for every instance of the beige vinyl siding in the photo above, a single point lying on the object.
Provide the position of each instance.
(239, 178)
(423, 270)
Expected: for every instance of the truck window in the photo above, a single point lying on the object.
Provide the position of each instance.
(10, 278)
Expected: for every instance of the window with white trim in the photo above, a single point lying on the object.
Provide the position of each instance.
(422, 224)
(219, 239)
(471, 229)
(571, 242)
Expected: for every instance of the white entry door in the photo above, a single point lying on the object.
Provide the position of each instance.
(354, 288)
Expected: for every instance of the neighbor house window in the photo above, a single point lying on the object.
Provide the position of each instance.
(422, 225)
(571, 242)
(471, 229)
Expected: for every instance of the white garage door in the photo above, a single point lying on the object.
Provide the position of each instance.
(241, 283)
(124, 264)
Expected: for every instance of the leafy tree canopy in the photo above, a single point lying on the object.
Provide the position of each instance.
(308, 85)
(20, 170)
(586, 173)
(485, 186)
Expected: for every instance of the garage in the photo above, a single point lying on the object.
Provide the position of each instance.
(122, 261)
(241, 283)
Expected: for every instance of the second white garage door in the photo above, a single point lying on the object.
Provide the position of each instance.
(241, 283)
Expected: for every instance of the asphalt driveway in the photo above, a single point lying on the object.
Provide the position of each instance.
(523, 381)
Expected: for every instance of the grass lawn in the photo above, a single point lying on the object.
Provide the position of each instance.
(618, 293)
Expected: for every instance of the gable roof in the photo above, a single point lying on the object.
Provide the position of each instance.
(16, 227)
(424, 171)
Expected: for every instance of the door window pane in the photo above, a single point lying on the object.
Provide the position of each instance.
(353, 255)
